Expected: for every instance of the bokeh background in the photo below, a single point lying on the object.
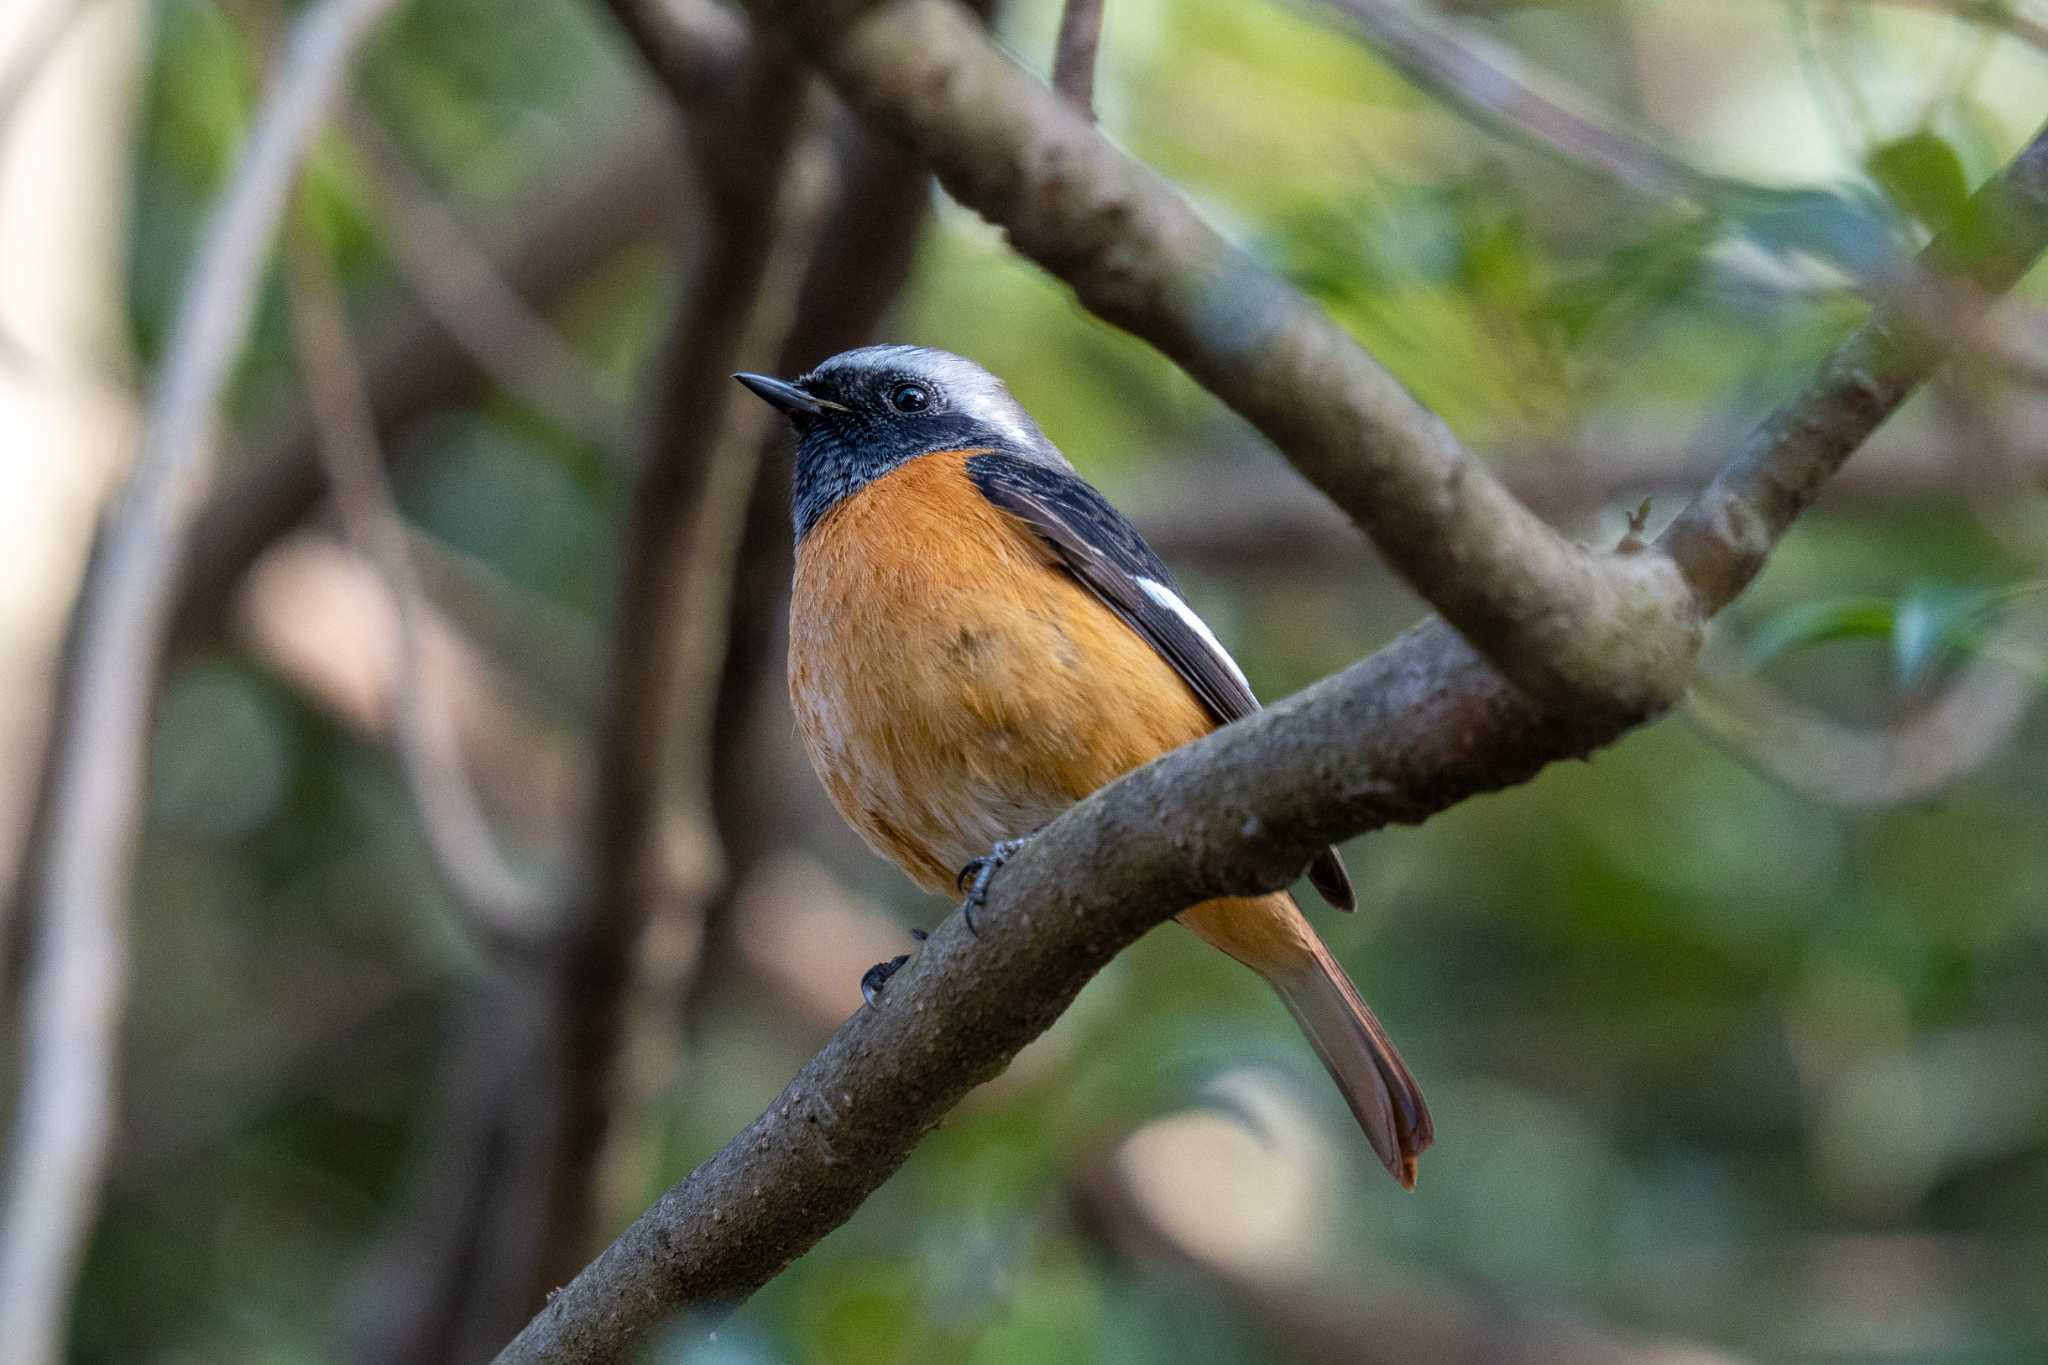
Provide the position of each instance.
(1736, 1036)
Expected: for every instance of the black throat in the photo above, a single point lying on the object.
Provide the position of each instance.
(838, 456)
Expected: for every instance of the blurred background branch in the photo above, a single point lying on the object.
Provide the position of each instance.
(84, 849)
(506, 908)
(413, 366)
(1489, 84)
(482, 311)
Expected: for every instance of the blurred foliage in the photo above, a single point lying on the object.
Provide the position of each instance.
(1701, 1052)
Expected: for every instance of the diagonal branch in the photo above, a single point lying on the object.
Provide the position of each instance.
(1394, 738)
(1558, 619)
(97, 753)
(1492, 86)
(1722, 538)
(1998, 14)
(456, 279)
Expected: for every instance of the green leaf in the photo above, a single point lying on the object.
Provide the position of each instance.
(1924, 176)
(1937, 621)
(1813, 623)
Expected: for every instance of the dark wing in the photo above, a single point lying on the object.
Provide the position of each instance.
(1105, 552)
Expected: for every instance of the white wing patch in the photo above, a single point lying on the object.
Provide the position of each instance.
(1168, 598)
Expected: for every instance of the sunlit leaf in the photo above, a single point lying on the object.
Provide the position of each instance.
(1924, 175)
(1935, 622)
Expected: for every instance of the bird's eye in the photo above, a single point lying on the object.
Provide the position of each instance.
(910, 398)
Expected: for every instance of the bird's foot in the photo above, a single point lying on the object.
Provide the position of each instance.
(974, 878)
(877, 976)
(874, 978)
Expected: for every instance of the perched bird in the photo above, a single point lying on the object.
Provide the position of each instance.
(977, 640)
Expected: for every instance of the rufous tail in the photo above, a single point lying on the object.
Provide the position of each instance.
(1270, 936)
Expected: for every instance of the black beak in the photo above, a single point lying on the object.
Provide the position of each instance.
(782, 394)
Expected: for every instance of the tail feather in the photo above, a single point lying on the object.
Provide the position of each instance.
(1361, 1059)
(1270, 935)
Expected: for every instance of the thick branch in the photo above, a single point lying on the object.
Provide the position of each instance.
(97, 753)
(1559, 620)
(1395, 738)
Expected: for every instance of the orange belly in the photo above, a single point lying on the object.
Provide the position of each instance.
(953, 685)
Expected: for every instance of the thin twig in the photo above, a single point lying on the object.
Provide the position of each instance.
(411, 364)
(1723, 536)
(1969, 723)
(1996, 14)
(1490, 83)
(97, 755)
(505, 908)
(464, 289)
(1073, 61)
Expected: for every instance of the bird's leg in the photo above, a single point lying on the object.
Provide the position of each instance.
(974, 878)
(874, 978)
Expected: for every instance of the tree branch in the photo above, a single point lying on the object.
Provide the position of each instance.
(99, 747)
(524, 1177)
(412, 365)
(1230, 512)
(1494, 87)
(1560, 620)
(1073, 59)
(1394, 738)
(734, 315)
(505, 908)
(508, 339)
(1998, 14)
(1721, 539)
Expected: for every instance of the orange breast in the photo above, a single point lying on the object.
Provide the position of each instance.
(953, 685)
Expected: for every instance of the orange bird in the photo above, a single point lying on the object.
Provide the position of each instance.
(977, 640)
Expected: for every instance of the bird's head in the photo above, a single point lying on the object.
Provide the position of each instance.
(862, 413)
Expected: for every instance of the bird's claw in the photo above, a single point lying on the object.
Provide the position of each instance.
(874, 978)
(974, 879)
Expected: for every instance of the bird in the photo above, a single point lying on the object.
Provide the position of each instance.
(978, 639)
